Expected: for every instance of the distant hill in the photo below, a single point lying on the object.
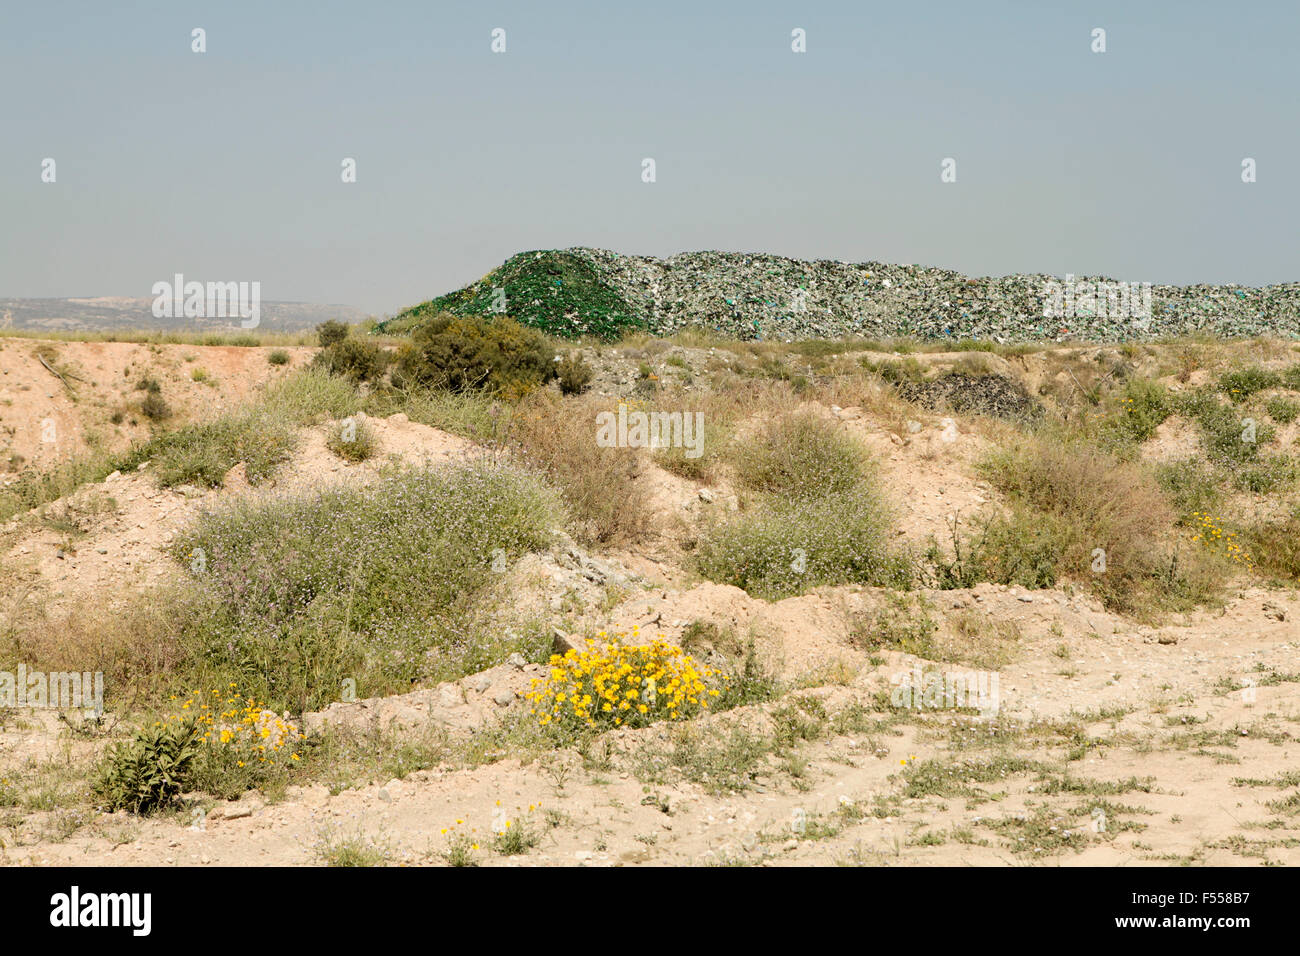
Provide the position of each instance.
(116, 314)
(582, 291)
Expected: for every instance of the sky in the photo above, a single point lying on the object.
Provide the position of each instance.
(226, 165)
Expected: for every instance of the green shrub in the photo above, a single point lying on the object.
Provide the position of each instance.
(311, 396)
(1024, 548)
(1190, 485)
(1239, 384)
(800, 455)
(360, 360)
(1138, 411)
(1282, 410)
(380, 584)
(202, 454)
(278, 357)
(154, 407)
(575, 374)
(462, 353)
(147, 772)
(793, 545)
(1266, 475)
(148, 384)
(1225, 435)
(331, 333)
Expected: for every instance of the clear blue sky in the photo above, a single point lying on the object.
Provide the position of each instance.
(225, 165)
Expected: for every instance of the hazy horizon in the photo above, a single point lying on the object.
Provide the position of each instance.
(225, 165)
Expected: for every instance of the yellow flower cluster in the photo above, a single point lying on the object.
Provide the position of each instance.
(622, 686)
(1213, 536)
(230, 720)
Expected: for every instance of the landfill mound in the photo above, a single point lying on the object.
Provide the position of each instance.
(991, 395)
(582, 291)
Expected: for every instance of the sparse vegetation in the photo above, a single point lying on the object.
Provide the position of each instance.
(353, 439)
(390, 579)
(376, 584)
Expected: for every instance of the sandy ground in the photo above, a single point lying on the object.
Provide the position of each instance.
(43, 421)
(1112, 743)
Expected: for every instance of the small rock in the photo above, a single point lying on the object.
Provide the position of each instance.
(563, 643)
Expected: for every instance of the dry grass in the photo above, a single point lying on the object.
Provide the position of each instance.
(132, 645)
(1110, 526)
(557, 436)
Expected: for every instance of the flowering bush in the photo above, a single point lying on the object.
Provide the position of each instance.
(1211, 535)
(243, 744)
(617, 685)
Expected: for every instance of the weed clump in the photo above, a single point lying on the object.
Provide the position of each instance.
(146, 773)
(382, 584)
(1239, 384)
(1078, 513)
(574, 374)
(352, 439)
(599, 484)
(800, 456)
(154, 407)
(821, 517)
